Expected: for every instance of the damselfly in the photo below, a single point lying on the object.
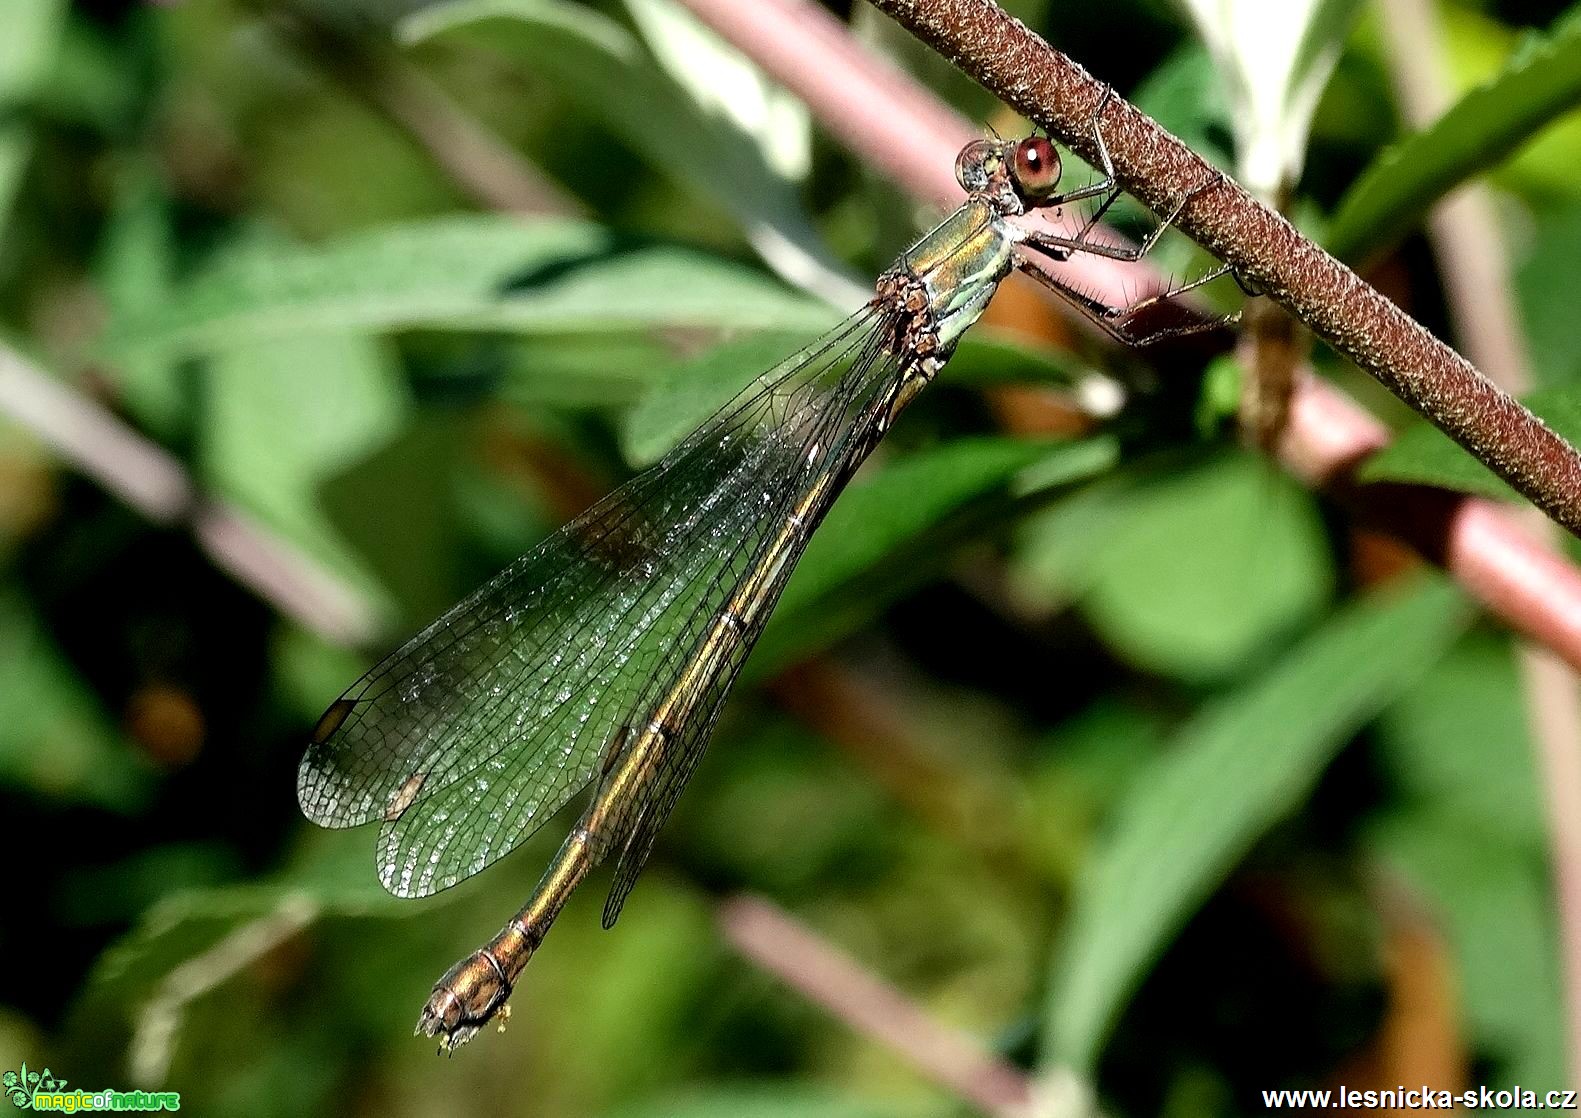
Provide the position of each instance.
(604, 656)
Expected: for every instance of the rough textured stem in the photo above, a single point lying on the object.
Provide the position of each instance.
(1519, 578)
(1027, 73)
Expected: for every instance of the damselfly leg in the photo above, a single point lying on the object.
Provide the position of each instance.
(1113, 319)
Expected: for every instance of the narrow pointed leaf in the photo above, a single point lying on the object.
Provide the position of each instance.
(1239, 766)
(1541, 82)
(460, 273)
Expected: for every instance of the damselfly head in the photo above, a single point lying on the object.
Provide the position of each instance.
(1016, 175)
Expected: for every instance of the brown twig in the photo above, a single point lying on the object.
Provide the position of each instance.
(1519, 579)
(493, 173)
(489, 171)
(1265, 250)
(872, 1007)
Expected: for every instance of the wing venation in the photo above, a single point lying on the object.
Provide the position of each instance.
(471, 735)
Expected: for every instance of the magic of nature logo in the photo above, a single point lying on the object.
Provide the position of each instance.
(42, 1090)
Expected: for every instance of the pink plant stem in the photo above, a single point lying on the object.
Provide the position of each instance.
(149, 479)
(888, 119)
(1499, 561)
(827, 976)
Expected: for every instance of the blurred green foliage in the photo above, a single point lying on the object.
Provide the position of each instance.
(1141, 767)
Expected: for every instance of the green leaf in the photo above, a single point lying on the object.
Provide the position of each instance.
(1084, 766)
(1248, 561)
(27, 49)
(1240, 765)
(182, 926)
(1275, 59)
(600, 65)
(119, 888)
(1546, 284)
(1469, 831)
(58, 743)
(726, 83)
(689, 392)
(1477, 45)
(1460, 741)
(16, 144)
(28, 45)
(1424, 455)
(448, 480)
(628, 1010)
(136, 270)
(460, 273)
(282, 419)
(890, 533)
(333, 875)
(1186, 95)
(411, 480)
(1540, 83)
(586, 370)
(90, 82)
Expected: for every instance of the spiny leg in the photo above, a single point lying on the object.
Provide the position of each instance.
(1106, 185)
(1116, 321)
(1060, 248)
(1095, 217)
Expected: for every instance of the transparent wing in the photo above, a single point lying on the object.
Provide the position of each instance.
(470, 736)
(839, 442)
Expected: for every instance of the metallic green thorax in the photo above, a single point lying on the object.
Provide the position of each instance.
(960, 264)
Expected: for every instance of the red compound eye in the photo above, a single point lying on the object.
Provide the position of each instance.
(1037, 167)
